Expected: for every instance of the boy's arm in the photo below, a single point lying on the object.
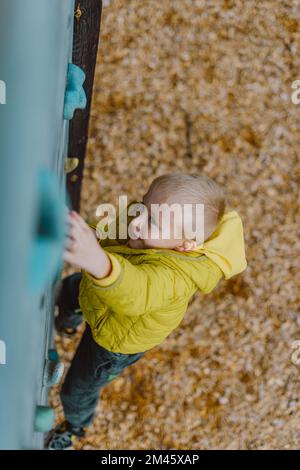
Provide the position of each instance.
(83, 249)
(125, 288)
(135, 289)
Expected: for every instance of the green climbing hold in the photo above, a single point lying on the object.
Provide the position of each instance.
(44, 419)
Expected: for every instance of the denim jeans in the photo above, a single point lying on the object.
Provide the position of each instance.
(92, 367)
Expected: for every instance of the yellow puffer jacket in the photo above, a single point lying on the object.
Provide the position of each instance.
(146, 295)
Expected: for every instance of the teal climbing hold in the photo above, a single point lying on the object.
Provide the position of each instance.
(75, 97)
(44, 419)
(53, 355)
(53, 369)
(46, 250)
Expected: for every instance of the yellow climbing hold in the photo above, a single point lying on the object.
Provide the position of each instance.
(71, 164)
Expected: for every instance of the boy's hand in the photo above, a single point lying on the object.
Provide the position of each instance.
(83, 249)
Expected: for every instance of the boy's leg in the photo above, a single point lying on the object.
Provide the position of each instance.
(69, 313)
(92, 367)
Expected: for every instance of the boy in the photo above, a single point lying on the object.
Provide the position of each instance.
(133, 294)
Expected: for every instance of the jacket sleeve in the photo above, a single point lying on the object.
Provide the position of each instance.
(135, 289)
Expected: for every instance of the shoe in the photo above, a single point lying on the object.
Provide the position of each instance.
(62, 437)
(63, 330)
(67, 323)
(69, 312)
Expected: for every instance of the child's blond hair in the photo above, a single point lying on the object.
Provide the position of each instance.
(192, 188)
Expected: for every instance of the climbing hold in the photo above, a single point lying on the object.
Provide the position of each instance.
(75, 97)
(71, 164)
(53, 369)
(53, 355)
(73, 178)
(44, 419)
(78, 13)
(47, 247)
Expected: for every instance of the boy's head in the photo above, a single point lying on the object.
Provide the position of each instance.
(172, 231)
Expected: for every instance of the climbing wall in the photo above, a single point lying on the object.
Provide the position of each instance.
(35, 49)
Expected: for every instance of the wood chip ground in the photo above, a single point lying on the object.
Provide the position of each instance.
(205, 86)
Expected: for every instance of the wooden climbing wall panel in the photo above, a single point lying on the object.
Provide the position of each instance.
(85, 46)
